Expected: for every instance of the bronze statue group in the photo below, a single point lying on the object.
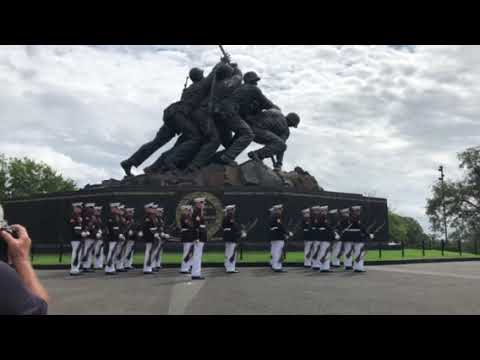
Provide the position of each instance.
(223, 108)
(110, 246)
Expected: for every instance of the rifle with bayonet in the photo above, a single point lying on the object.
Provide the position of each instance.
(363, 252)
(245, 230)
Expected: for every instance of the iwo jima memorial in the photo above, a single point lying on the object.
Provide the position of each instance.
(218, 116)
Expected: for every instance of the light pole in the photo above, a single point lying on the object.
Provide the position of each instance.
(442, 179)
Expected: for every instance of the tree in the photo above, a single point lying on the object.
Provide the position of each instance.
(406, 230)
(462, 200)
(25, 177)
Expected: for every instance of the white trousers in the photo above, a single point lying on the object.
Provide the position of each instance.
(110, 262)
(186, 265)
(157, 255)
(120, 255)
(315, 255)
(348, 254)
(76, 257)
(128, 261)
(87, 253)
(277, 251)
(336, 247)
(325, 255)
(308, 253)
(148, 260)
(197, 258)
(358, 253)
(98, 254)
(230, 254)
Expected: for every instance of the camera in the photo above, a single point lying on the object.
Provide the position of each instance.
(4, 227)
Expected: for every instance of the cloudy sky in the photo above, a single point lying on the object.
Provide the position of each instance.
(375, 119)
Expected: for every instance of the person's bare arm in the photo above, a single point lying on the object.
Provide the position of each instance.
(19, 256)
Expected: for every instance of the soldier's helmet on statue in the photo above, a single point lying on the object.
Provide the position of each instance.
(196, 74)
(293, 120)
(251, 77)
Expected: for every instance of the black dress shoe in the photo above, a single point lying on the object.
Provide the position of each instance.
(156, 270)
(325, 271)
(121, 270)
(280, 271)
(359, 271)
(253, 155)
(232, 272)
(111, 273)
(75, 274)
(184, 272)
(348, 268)
(198, 278)
(148, 273)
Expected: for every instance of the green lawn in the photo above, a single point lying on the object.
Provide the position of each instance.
(264, 256)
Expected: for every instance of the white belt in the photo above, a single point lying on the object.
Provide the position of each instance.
(116, 228)
(183, 230)
(353, 230)
(202, 226)
(227, 229)
(153, 229)
(305, 230)
(322, 229)
(78, 228)
(274, 228)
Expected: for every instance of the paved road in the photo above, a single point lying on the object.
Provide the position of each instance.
(447, 288)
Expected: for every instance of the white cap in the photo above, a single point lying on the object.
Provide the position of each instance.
(306, 211)
(356, 208)
(90, 205)
(277, 207)
(347, 210)
(77, 204)
(315, 208)
(130, 209)
(186, 207)
(121, 206)
(150, 206)
(114, 205)
(98, 207)
(230, 207)
(334, 211)
(197, 200)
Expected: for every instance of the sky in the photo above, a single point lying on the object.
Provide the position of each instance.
(375, 120)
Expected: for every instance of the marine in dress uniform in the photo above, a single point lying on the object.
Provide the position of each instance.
(315, 236)
(187, 236)
(149, 230)
(307, 238)
(77, 235)
(99, 236)
(161, 238)
(200, 232)
(132, 234)
(89, 242)
(122, 241)
(114, 224)
(359, 237)
(232, 233)
(346, 238)
(277, 235)
(326, 235)
(337, 243)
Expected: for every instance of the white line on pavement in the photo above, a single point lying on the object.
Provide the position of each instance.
(421, 272)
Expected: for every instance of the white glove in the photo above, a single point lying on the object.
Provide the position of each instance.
(99, 235)
(337, 237)
(140, 234)
(121, 237)
(130, 232)
(290, 234)
(157, 236)
(84, 234)
(244, 234)
(165, 236)
(372, 236)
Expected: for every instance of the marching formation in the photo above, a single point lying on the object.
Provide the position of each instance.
(329, 237)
